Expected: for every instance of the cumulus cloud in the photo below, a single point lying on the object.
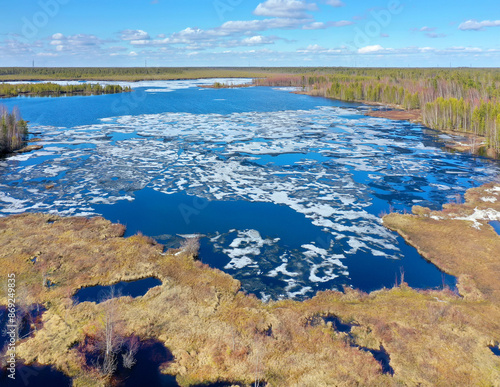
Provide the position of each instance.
(78, 41)
(14, 47)
(370, 49)
(223, 36)
(257, 40)
(296, 9)
(235, 27)
(134, 35)
(474, 25)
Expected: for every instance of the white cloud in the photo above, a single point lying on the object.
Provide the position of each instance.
(296, 9)
(235, 27)
(340, 23)
(474, 25)
(370, 49)
(434, 35)
(314, 26)
(134, 35)
(379, 50)
(321, 25)
(77, 43)
(256, 40)
(335, 3)
(317, 49)
(132, 53)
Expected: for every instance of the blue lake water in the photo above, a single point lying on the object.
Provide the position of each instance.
(102, 293)
(286, 190)
(34, 375)
(496, 226)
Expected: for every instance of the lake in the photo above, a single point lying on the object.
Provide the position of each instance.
(286, 190)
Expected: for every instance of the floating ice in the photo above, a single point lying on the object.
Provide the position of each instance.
(351, 169)
(248, 243)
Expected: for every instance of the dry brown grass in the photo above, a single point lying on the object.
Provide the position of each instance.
(216, 332)
(408, 115)
(470, 253)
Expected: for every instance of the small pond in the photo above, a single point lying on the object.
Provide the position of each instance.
(496, 226)
(34, 375)
(101, 293)
(146, 372)
(495, 350)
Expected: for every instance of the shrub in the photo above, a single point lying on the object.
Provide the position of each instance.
(13, 130)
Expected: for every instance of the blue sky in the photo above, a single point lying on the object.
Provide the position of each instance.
(250, 33)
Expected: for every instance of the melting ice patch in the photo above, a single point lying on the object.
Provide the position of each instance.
(246, 248)
(365, 164)
(478, 215)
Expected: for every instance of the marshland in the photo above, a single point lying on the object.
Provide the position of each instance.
(264, 230)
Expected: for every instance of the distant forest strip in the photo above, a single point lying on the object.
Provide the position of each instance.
(13, 90)
(463, 100)
(13, 130)
(129, 73)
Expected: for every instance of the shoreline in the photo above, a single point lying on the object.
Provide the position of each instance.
(476, 145)
(58, 94)
(428, 231)
(200, 314)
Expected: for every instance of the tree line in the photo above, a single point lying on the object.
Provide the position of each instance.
(126, 73)
(463, 100)
(8, 90)
(13, 130)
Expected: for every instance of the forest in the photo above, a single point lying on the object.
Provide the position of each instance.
(128, 73)
(463, 100)
(13, 130)
(13, 90)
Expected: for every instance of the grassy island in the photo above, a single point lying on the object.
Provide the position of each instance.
(53, 89)
(216, 333)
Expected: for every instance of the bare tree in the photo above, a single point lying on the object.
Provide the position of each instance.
(129, 359)
(111, 341)
(191, 246)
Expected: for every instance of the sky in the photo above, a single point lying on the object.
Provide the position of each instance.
(375, 33)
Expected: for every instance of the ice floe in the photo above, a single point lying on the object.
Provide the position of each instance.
(337, 169)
